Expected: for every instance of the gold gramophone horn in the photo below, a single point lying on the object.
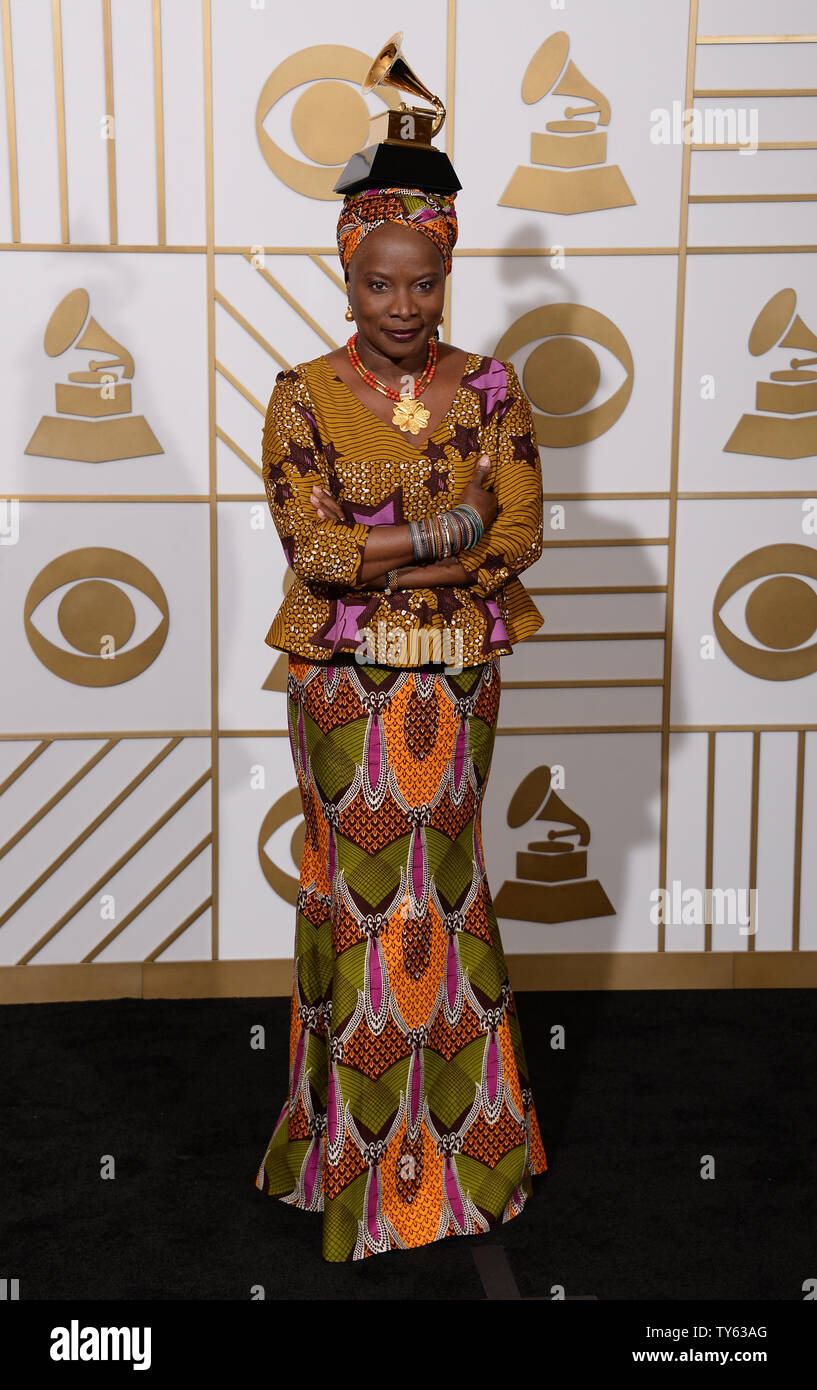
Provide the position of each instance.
(95, 336)
(390, 69)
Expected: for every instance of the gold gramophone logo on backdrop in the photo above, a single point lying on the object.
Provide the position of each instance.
(569, 172)
(788, 427)
(84, 428)
(551, 883)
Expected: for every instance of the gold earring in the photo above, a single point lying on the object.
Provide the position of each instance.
(349, 315)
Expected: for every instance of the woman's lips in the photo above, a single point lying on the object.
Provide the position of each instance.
(402, 336)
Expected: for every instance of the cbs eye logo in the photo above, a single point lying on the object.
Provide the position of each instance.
(96, 617)
(330, 118)
(781, 612)
(285, 809)
(562, 374)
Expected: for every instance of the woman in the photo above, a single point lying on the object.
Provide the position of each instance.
(405, 484)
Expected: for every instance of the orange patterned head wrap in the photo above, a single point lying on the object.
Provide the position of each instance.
(430, 213)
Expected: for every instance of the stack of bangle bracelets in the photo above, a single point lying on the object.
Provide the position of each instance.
(437, 537)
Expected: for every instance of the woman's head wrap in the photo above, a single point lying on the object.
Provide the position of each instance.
(430, 213)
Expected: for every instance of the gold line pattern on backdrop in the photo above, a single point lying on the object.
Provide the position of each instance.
(167, 244)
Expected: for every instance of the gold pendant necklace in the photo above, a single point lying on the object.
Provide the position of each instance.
(410, 415)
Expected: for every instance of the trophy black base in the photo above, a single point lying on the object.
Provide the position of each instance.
(399, 166)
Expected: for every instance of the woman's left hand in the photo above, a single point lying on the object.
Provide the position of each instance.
(325, 505)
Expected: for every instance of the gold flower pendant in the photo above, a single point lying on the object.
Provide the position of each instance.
(410, 414)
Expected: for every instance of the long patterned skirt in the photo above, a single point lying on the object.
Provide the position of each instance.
(409, 1115)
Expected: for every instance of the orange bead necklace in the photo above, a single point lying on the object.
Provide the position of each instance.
(409, 414)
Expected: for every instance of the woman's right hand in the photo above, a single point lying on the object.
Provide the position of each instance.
(481, 498)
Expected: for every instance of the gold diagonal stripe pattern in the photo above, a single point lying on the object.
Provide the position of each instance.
(332, 275)
(237, 449)
(179, 930)
(234, 381)
(83, 836)
(25, 764)
(58, 796)
(148, 899)
(292, 302)
(248, 328)
(117, 865)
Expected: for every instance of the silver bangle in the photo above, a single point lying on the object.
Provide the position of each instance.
(447, 547)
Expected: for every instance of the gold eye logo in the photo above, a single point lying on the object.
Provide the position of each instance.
(285, 809)
(781, 612)
(96, 617)
(561, 376)
(330, 120)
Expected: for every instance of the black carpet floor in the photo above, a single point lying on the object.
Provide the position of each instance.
(648, 1084)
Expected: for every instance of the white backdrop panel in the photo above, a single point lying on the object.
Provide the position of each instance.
(612, 782)
(155, 306)
(634, 54)
(173, 690)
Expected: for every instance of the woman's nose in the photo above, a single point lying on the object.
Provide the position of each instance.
(403, 306)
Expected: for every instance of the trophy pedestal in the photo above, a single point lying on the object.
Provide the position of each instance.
(552, 888)
(774, 438)
(552, 902)
(784, 398)
(550, 867)
(93, 441)
(397, 166)
(567, 190)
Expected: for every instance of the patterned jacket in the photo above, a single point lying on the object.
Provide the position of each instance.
(316, 430)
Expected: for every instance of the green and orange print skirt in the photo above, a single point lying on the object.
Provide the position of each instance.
(409, 1115)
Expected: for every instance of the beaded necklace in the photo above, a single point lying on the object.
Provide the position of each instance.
(409, 414)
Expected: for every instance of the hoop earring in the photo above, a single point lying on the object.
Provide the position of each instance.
(349, 316)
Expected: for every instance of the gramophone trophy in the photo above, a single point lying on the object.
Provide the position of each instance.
(399, 150)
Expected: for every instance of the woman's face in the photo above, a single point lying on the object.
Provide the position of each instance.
(396, 285)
